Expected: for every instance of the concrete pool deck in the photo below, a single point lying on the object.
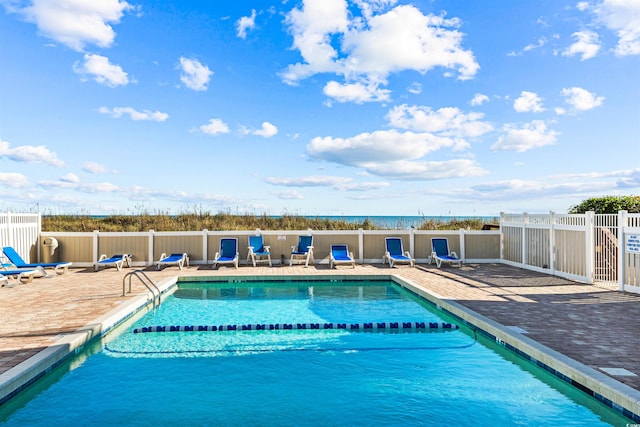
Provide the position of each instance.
(591, 325)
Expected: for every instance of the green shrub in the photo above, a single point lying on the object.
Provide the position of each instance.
(608, 205)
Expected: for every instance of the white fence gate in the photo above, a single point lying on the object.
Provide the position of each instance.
(585, 247)
(22, 231)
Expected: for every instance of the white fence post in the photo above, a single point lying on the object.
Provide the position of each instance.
(151, 245)
(552, 243)
(39, 236)
(589, 219)
(205, 248)
(502, 231)
(524, 238)
(462, 238)
(95, 245)
(622, 223)
(361, 245)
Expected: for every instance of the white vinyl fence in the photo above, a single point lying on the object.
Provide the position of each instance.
(597, 249)
(603, 249)
(22, 231)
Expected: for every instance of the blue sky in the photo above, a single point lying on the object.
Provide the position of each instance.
(317, 107)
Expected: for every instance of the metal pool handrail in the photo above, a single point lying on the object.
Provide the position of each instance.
(146, 281)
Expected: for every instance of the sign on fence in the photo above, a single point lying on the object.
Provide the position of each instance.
(632, 242)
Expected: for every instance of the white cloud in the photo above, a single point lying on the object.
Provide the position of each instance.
(526, 189)
(378, 146)
(246, 23)
(582, 6)
(392, 154)
(70, 177)
(102, 70)
(415, 88)
(622, 17)
(405, 39)
(90, 188)
(133, 114)
(267, 130)
(479, 99)
(528, 102)
(366, 49)
(13, 179)
(448, 121)
(630, 181)
(289, 195)
(193, 74)
(30, 154)
(541, 42)
(581, 99)
(93, 167)
(356, 92)
(529, 136)
(76, 23)
(587, 45)
(427, 170)
(214, 127)
(336, 182)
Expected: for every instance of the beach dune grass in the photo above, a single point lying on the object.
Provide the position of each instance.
(230, 222)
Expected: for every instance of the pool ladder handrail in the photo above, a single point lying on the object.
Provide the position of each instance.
(146, 281)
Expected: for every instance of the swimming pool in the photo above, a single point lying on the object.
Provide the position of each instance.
(333, 376)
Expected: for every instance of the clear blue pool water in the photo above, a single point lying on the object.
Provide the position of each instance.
(300, 377)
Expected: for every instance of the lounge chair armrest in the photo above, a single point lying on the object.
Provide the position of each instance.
(454, 254)
(102, 257)
(163, 256)
(407, 254)
(267, 248)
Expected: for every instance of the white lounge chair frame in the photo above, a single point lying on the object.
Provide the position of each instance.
(258, 257)
(18, 262)
(21, 275)
(108, 261)
(451, 257)
(163, 261)
(333, 262)
(218, 258)
(391, 260)
(302, 256)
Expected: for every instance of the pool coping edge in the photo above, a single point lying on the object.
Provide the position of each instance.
(21, 376)
(603, 388)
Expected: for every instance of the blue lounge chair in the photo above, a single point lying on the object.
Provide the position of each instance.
(340, 255)
(258, 252)
(15, 259)
(440, 252)
(173, 259)
(395, 254)
(303, 251)
(114, 261)
(228, 252)
(22, 275)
